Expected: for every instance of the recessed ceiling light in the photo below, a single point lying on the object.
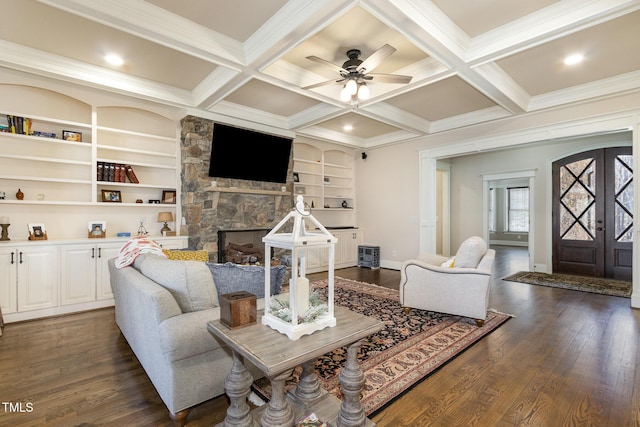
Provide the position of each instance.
(574, 59)
(347, 128)
(114, 59)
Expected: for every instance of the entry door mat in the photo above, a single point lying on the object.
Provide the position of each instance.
(405, 352)
(596, 285)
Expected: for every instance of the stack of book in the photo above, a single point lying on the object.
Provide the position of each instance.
(116, 172)
(15, 124)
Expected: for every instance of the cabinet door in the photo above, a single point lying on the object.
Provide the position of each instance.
(37, 277)
(105, 253)
(8, 280)
(351, 240)
(78, 273)
(172, 243)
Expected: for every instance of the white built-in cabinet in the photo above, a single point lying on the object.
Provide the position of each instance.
(345, 254)
(45, 278)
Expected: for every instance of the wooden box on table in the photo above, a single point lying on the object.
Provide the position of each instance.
(238, 309)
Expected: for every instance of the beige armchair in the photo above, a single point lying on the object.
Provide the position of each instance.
(458, 285)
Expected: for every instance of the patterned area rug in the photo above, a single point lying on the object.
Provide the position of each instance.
(616, 288)
(405, 352)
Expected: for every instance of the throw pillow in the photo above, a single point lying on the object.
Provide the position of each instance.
(187, 255)
(230, 277)
(450, 263)
(471, 252)
(134, 247)
(189, 282)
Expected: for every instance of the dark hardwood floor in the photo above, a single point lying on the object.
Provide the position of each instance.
(566, 359)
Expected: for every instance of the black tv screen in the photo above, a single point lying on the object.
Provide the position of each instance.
(244, 154)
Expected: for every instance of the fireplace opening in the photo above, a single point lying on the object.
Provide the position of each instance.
(241, 246)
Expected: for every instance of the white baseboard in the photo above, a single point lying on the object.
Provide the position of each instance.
(509, 243)
(393, 265)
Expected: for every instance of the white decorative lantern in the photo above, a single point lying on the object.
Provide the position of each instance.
(298, 241)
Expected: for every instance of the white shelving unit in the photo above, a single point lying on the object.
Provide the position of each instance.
(61, 190)
(325, 178)
(59, 177)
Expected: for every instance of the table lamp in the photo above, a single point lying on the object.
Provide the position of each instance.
(165, 217)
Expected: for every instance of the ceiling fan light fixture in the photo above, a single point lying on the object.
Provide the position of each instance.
(351, 86)
(363, 91)
(345, 95)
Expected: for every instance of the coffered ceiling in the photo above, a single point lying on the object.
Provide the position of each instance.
(471, 61)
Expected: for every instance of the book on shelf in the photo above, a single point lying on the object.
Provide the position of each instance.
(131, 174)
(17, 124)
(100, 171)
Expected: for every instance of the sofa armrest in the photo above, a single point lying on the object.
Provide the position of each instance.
(432, 259)
(445, 270)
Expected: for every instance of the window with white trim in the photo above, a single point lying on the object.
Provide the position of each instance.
(517, 210)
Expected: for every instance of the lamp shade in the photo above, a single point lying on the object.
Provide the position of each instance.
(165, 217)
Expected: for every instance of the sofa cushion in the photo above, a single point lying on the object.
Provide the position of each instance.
(230, 277)
(470, 252)
(189, 282)
(187, 255)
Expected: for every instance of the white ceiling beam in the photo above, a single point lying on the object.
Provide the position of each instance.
(23, 58)
(152, 23)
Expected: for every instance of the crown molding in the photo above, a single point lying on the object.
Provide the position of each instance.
(223, 117)
(602, 88)
(469, 119)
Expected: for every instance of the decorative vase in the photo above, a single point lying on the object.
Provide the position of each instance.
(19, 195)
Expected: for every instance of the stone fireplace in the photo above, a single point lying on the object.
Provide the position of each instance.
(241, 246)
(232, 205)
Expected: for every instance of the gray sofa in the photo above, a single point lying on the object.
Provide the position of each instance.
(162, 307)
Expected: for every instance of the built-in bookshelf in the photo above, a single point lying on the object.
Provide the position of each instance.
(325, 179)
(53, 145)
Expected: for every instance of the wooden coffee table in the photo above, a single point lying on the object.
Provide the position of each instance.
(276, 356)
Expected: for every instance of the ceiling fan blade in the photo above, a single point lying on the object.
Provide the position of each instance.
(328, 82)
(390, 78)
(376, 58)
(324, 62)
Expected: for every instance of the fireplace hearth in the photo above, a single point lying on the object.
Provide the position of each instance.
(241, 246)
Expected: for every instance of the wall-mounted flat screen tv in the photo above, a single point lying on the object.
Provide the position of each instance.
(244, 154)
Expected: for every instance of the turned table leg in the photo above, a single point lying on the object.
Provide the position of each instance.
(238, 386)
(308, 388)
(278, 413)
(352, 381)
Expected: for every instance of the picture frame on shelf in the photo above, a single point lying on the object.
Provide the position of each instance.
(37, 231)
(69, 135)
(299, 189)
(169, 196)
(112, 196)
(296, 177)
(97, 230)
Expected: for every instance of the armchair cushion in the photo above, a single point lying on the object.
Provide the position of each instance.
(470, 252)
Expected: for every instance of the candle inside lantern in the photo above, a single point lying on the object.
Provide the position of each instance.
(302, 295)
(4, 220)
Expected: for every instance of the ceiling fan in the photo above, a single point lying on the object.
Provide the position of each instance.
(355, 73)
